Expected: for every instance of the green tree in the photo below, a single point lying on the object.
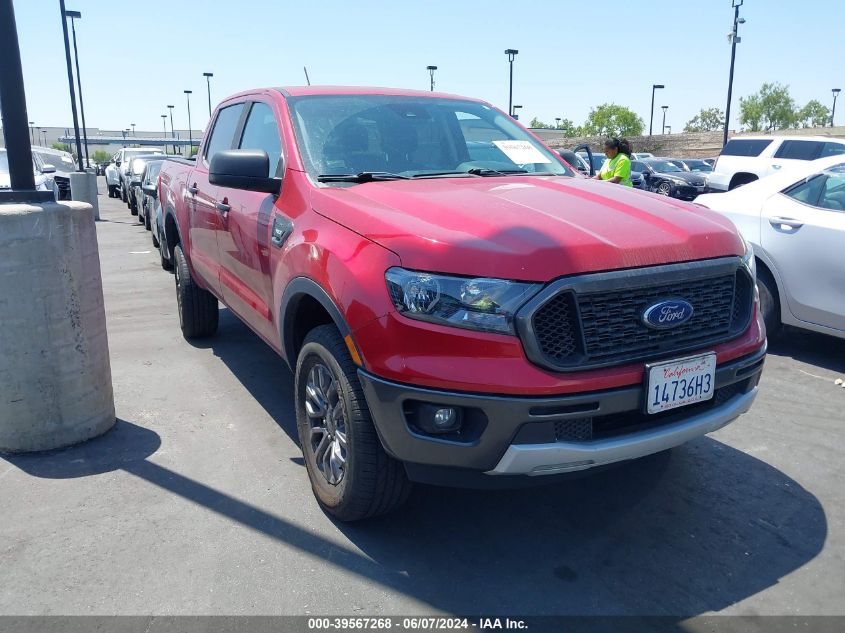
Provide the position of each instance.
(63, 147)
(814, 114)
(708, 120)
(568, 128)
(101, 157)
(539, 125)
(770, 109)
(610, 119)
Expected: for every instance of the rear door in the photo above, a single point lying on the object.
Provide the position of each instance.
(790, 152)
(803, 230)
(244, 242)
(201, 199)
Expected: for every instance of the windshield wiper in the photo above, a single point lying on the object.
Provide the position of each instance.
(362, 176)
(484, 171)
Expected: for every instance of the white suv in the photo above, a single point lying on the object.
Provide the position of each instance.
(748, 158)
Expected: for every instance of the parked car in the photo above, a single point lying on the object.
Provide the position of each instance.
(667, 179)
(641, 155)
(145, 191)
(451, 320)
(43, 174)
(133, 178)
(597, 158)
(748, 158)
(64, 165)
(116, 171)
(710, 161)
(576, 161)
(795, 221)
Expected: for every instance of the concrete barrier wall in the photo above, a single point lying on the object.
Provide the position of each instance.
(55, 376)
(693, 145)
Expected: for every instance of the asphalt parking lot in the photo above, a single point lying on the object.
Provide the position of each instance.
(197, 501)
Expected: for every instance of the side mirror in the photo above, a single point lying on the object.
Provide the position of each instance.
(48, 169)
(150, 190)
(243, 169)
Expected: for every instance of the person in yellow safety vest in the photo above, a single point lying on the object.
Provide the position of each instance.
(617, 167)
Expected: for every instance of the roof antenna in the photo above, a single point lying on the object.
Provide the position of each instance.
(306, 75)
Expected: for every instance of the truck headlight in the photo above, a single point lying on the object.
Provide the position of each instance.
(481, 304)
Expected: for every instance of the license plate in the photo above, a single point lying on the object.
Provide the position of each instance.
(680, 382)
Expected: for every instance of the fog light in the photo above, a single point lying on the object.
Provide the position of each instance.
(444, 419)
(434, 419)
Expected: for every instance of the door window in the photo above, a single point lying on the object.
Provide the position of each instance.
(807, 191)
(833, 192)
(261, 132)
(745, 147)
(799, 150)
(224, 130)
(832, 149)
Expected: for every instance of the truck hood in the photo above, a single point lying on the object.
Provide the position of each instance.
(526, 227)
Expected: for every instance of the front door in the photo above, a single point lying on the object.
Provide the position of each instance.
(245, 242)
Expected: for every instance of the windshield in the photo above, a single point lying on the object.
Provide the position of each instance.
(664, 166)
(698, 165)
(138, 165)
(413, 137)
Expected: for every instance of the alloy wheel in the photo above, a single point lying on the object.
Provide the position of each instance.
(328, 425)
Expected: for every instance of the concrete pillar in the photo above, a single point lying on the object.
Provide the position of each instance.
(83, 188)
(55, 376)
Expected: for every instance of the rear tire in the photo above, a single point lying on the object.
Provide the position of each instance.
(351, 475)
(198, 311)
(769, 302)
(147, 224)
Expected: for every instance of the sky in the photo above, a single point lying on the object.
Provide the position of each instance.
(137, 57)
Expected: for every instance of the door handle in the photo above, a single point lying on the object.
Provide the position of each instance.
(776, 166)
(223, 207)
(787, 224)
(193, 189)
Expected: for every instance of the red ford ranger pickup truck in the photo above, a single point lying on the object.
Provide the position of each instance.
(458, 306)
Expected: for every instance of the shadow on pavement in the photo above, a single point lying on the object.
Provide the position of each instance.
(679, 533)
(812, 348)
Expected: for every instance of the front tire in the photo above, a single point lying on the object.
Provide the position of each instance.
(123, 193)
(198, 311)
(664, 189)
(351, 475)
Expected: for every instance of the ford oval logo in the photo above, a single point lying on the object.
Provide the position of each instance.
(667, 314)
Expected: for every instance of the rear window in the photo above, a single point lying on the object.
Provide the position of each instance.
(799, 150)
(745, 147)
(832, 149)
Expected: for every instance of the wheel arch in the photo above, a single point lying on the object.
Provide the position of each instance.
(742, 178)
(305, 305)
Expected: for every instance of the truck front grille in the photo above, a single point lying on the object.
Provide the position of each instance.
(587, 326)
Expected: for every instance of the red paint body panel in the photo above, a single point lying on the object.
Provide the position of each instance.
(344, 238)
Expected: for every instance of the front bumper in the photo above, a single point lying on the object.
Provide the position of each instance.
(518, 435)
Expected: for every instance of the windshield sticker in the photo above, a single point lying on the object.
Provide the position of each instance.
(521, 152)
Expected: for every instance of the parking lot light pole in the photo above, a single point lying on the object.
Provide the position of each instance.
(663, 127)
(31, 134)
(557, 122)
(164, 125)
(190, 131)
(172, 131)
(668, 127)
(76, 15)
(208, 77)
(431, 70)
(70, 86)
(835, 92)
(732, 36)
(511, 53)
(133, 129)
(651, 117)
(124, 137)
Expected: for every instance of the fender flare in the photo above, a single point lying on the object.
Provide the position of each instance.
(297, 289)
